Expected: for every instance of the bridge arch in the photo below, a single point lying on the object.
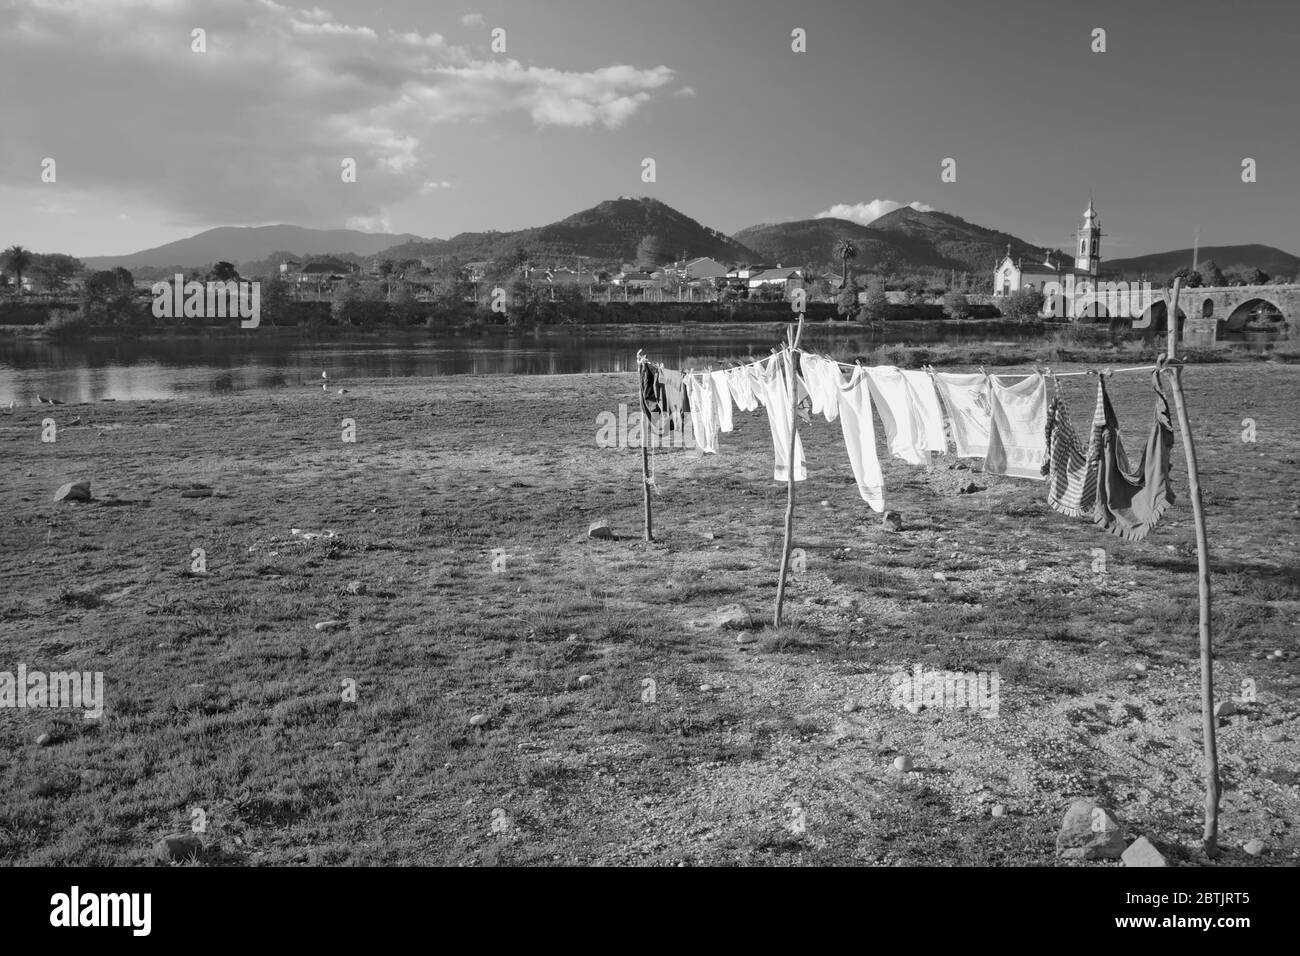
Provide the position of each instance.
(1253, 318)
(1155, 319)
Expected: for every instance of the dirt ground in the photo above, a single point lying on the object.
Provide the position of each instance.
(463, 583)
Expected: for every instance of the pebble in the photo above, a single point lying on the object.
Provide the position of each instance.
(902, 764)
(44, 740)
(1274, 736)
(706, 688)
(939, 576)
(328, 625)
(998, 810)
(572, 638)
(745, 637)
(356, 587)
(850, 706)
(1022, 565)
(1225, 708)
(584, 680)
(478, 720)
(912, 707)
(1140, 668)
(1254, 847)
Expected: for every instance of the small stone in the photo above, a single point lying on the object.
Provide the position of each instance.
(903, 764)
(1279, 654)
(178, 846)
(600, 529)
(1089, 832)
(731, 616)
(73, 491)
(939, 576)
(745, 637)
(478, 720)
(970, 488)
(1274, 736)
(1022, 565)
(356, 587)
(710, 535)
(1254, 847)
(584, 680)
(572, 639)
(912, 708)
(998, 810)
(826, 504)
(706, 688)
(1141, 852)
(44, 740)
(1225, 708)
(892, 521)
(328, 625)
(1104, 644)
(203, 492)
(850, 706)
(1140, 668)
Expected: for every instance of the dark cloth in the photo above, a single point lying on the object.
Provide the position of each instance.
(663, 396)
(1132, 497)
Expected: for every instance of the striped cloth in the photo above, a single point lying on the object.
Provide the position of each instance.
(1070, 469)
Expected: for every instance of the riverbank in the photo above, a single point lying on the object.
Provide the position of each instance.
(455, 561)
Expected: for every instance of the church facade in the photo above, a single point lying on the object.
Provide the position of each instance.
(1012, 275)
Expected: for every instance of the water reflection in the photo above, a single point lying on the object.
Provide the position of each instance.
(164, 368)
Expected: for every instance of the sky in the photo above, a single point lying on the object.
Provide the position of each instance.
(153, 141)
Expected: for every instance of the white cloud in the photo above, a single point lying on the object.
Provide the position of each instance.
(473, 20)
(432, 185)
(685, 92)
(255, 129)
(867, 212)
(376, 223)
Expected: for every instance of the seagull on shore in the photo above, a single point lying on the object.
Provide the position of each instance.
(41, 400)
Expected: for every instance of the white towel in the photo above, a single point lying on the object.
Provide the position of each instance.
(741, 383)
(967, 400)
(895, 404)
(822, 380)
(771, 389)
(925, 410)
(1017, 432)
(704, 410)
(859, 427)
(722, 392)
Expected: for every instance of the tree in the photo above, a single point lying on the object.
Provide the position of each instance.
(1210, 273)
(845, 249)
(875, 303)
(275, 299)
(1254, 276)
(956, 306)
(1024, 305)
(223, 272)
(53, 271)
(15, 261)
(652, 251)
(105, 299)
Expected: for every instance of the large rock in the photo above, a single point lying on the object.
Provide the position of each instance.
(178, 846)
(892, 521)
(599, 529)
(731, 615)
(1143, 853)
(73, 491)
(1089, 832)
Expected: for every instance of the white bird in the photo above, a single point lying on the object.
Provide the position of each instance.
(324, 387)
(324, 375)
(343, 391)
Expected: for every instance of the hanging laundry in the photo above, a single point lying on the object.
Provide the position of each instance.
(925, 410)
(859, 427)
(896, 405)
(822, 380)
(967, 401)
(771, 388)
(704, 410)
(740, 381)
(1017, 428)
(1131, 499)
(722, 396)
(673, 400)
(1071, 469)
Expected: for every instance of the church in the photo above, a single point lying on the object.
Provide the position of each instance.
(1012, 275)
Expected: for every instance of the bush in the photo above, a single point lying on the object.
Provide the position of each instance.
(956, 306)
(1024, 305)
(875, 303)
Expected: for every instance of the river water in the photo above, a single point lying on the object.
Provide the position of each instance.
(169, 367)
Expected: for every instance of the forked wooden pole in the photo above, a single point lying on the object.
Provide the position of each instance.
(1211, 832)
(793, 344)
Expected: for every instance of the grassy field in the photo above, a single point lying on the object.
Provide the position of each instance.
(464, 583)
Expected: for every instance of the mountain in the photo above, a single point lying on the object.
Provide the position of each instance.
(610, 232)
(902, 239)
(1161, 265)
(239, 244)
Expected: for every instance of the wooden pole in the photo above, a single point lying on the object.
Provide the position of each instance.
(645, 438)
(792, 343)
(1210, 836)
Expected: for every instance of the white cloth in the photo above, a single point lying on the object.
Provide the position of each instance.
(722, 392)
(773, 391)
(896, 405)
(1017, 430)
(741, 384)
(822, 380)
(967, 400)
(925, 410)
(859, 427)
(704, 410)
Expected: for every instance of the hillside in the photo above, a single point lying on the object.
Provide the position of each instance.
(250, 243)
(905, 238)
(1273, 261)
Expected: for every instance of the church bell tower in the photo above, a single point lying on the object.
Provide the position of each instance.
(1088, 252)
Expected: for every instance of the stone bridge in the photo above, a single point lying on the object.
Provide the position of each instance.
(1207, 316)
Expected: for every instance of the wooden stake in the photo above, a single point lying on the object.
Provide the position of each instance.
(1210, 836)
(645, 438)
(792, 343)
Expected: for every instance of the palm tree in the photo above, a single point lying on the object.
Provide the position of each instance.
(16, 259)
(846, 249)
